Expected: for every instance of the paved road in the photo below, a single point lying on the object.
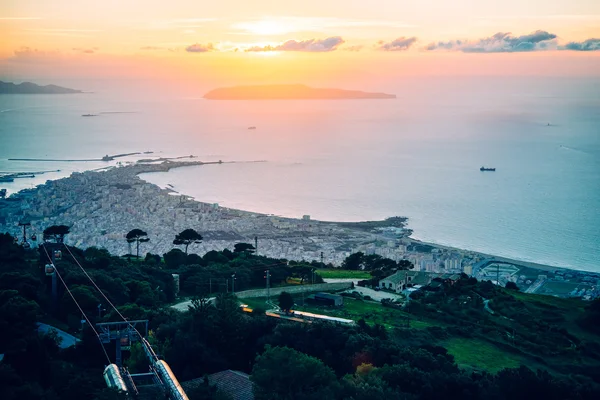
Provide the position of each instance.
(341, 280)
(66, 340)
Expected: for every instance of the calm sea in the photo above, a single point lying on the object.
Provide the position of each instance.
(416, 156)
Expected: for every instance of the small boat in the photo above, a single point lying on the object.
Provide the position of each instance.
(89, 115)
(487, 169)
(251, 127)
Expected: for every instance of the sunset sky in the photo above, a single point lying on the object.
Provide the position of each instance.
(313, 41)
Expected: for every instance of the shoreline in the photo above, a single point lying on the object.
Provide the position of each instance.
(364, 226)
(382, 223)
(505, 260)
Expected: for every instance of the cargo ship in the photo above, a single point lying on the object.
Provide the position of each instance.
(487, 169)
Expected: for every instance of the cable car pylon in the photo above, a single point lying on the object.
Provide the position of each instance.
(160, 372)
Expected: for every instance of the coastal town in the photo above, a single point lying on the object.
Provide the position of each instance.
(100, 207)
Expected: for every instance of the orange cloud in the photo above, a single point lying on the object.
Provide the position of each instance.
(200, 48)
(311, 45)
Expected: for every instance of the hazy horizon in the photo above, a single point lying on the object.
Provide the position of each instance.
(331, 44)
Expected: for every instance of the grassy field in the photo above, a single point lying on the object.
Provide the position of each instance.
(343, 274)
(563, 304)
(480, 355)
(372, 312)
(259, 302)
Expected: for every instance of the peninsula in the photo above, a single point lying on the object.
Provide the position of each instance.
(100, 207)
(32, 88)
(290, 92)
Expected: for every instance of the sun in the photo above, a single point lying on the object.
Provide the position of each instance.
(265, 27)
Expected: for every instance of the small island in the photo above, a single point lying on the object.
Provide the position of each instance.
(290, 92)
(32, 88)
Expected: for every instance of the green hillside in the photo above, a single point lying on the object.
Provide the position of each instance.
(445, 341)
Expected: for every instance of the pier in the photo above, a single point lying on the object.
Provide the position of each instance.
(11, 176)
(105, 158)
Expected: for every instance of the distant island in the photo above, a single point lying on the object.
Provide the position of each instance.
(32, 88)
(290, 92)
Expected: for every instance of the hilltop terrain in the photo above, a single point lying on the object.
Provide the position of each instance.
(289, 92)
(445, 341)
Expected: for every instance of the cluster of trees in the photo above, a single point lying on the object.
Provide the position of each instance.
(379, 267)
(545, 330)
(184, 238)
(286, 360)
(374, 263)
(426, 373)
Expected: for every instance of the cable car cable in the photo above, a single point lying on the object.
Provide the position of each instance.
(78, 306)
(102, 293)
(174, 387)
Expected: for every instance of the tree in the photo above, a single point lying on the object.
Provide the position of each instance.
(174, 258)
(372, 260)
(56, 233)
(286, 374)
(243, 248)
(354, 261)
(18, 316)
(215, 257)
(152, 258)
(286, 301)
(591, 316)
(110, 394)
(511, 286)
(405, 264)
(138, 236)
(187, 237)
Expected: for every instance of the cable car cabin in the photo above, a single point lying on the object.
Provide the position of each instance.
(57, 255)
(49, 269)
(114, 379)
(169, 379)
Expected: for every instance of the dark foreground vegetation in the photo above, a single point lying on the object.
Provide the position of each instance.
(556, 339)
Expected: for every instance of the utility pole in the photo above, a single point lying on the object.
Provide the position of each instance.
(256, 245)
(312, 276)
(321, 257)
(209, 285)
(233, 283)
(268, 276)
